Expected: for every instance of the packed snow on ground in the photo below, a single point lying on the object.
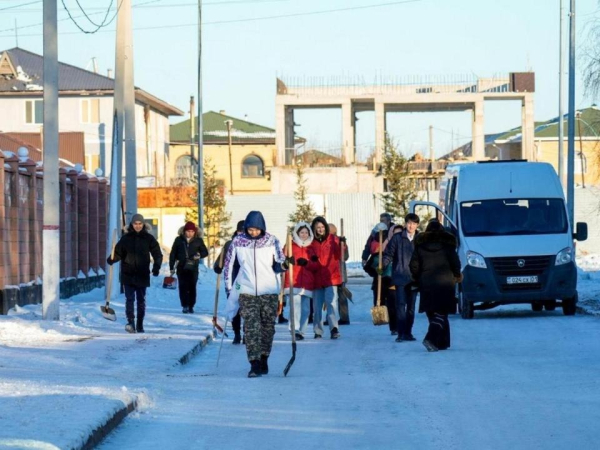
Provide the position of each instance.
(61, 380)
(512, 379)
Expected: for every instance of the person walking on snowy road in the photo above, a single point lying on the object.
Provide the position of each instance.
(304, 276)
(339, 297)
(254, 291)
(384, 219)
(436, 268)
(236, 322)
(398, 253)
(188, 248)
(134, 250)
(326, 250)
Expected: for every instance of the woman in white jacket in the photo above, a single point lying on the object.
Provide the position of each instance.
(254, 291)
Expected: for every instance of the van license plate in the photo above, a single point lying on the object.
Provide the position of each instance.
(521, 280)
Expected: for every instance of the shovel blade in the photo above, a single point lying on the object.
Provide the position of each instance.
(108, 313)
(291, 361)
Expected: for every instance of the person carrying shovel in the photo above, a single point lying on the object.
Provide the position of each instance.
(134, 250)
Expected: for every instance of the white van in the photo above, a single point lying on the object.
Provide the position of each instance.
(515, 240)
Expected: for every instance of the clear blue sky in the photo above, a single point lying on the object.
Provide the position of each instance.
(243, 58)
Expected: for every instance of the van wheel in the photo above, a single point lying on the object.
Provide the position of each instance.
(465, 306)
(569, 305)
(550, 305)
(537, 306)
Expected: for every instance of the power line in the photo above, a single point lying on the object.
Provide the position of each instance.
(172, 5)
(249, 19)
(18, 6)
(98, 27)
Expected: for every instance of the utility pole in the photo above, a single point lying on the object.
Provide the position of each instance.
(229, 124)
(51, 196)
(192, 134)
(129, 114)
(561, 72)
(431, 152)
(116, 171)
(16, 33)
(581, 155)
(200, 125)
(571, 137)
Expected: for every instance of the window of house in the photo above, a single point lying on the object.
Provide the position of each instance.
(90, 110)
(186, 167)
(34, 111)
(253, 166)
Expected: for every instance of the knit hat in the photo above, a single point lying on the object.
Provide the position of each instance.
(190, 226)
(240, 226)
(137, 218)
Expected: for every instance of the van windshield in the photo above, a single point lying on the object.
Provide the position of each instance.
(513, 217)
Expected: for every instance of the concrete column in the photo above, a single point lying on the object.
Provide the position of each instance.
(348, 133)
(289, 136)
(280, 133)
(380, 129)
(528, 127)
(478, 134)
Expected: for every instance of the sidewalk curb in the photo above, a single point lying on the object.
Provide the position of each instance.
(105, 429)
(196, 349)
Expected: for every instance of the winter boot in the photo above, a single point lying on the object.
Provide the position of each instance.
(299, 337)
(139, 326)
(318, 336)
(429, 346)
(130, 327)
(264, 366)
(185, 310)
(237, 339)
(409, 337)
(282, 319)
(255, 370)
(191, 310)
(335, 334)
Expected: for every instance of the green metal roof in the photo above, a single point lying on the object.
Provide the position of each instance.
(215, 130)
(588, 121)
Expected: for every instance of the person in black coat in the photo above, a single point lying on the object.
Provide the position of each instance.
(187, 250)
(435, 266)
(236, 323)
(398, 252)
(134, 250)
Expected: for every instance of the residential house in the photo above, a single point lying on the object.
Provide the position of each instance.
(85, 105)
(243, 169)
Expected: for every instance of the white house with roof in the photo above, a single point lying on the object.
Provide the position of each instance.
(85, 105)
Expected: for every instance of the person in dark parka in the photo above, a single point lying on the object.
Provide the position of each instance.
(435, 266)
(134, 250)
(236, 323)
(188, 248)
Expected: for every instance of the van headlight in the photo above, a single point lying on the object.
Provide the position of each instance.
(476, 260)
(565, 256)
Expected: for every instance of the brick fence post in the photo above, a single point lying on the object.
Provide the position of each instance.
(73, 217)
(83, 212)
(93, 226)
(4, 260)
(27, 207)
(102, 221)
(13, 219)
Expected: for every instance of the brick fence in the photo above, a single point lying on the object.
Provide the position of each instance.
(83, 224)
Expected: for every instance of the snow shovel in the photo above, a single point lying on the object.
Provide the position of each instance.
(216, 327)
(291, 298)
(379, 313)
(221, 346)
(107, 312)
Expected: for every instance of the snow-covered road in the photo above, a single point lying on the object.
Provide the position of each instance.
(513, 379)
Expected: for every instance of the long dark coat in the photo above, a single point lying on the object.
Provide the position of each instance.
(134, 250)
(398, 253)
(182, 250)
(434, 266)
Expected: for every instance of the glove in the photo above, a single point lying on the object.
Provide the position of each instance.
(459, 279)
(290, 260)
(155, 272)
(343, 239)
(379, 271)
(172, 272)
(302, 262)
(109, 261)
(314, 258)
(218, 270)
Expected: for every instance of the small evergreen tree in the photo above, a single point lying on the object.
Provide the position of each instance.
(400, 188)
(216, 217)
(304, 208)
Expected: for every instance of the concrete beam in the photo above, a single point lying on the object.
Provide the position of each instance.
(478, 133)
(280, 132)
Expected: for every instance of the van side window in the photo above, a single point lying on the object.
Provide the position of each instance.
(451, 196)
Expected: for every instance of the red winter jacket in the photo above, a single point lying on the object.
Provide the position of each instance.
(328, 252)
(304, 276)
